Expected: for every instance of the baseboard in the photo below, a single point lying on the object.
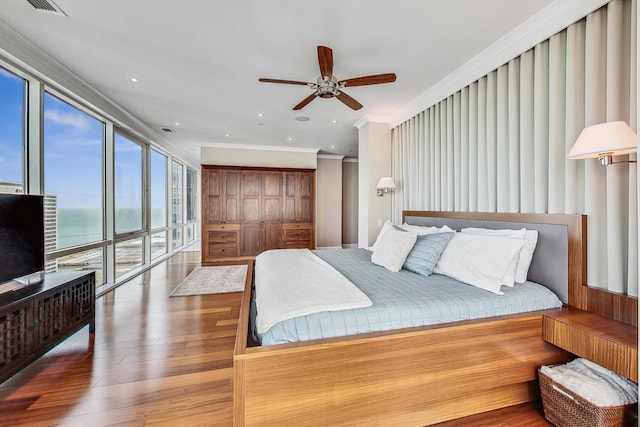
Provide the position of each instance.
(350, 245)
(329, 247)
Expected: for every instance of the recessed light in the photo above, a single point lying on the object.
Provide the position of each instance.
(302, 118)
(227, 134)
(333, 147)
(334, 121)
(260, 115)
(134, 80)
(290, 139)
(177, 123)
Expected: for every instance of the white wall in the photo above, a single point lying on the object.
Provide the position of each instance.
(329, 202)
(374, 150)
(259, 157)
(350, 202)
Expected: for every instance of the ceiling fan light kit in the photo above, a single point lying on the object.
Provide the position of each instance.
(328, 86)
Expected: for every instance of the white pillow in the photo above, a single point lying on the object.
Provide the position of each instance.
(481, 261)
(387, 225)
(393, 248)
(526, 254)
(421, 230)
(509, 277)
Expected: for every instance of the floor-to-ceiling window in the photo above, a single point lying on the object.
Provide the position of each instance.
(73, 183)
(113, 201)
(158, 202)
(12, 122)
(128, 178)
(176, 203)
(191, 206)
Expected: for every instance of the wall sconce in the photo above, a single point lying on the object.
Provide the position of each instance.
(385, 185)
(603, 141)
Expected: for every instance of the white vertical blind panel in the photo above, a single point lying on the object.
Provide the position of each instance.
(482, 177)
(464, 150)
(595, 178)
(574, 115)
(491, 142)
(457, 169)
(422, 172)
(541, 126)
(450, 193)
(502, 141)
(527, 199)
(473, 147)
(514, 134)
(557, 109)
(632, 269)
(414, 185)
(438, 161)
(617, 90)
(432, 157)
(427, 161)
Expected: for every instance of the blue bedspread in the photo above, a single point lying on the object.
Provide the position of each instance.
(404, 299)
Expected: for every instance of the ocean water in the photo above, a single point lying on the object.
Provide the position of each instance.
(80, 226)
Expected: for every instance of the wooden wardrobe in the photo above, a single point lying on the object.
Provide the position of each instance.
(246, 211)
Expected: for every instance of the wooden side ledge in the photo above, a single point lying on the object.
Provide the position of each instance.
(606, 342)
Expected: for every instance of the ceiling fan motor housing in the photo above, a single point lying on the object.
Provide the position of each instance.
(327, 87)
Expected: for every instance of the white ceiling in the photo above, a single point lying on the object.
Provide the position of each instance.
(199, 61)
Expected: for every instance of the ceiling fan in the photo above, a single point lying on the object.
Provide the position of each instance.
(328, 86)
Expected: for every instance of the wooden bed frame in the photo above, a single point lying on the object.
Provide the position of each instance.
(415, 376)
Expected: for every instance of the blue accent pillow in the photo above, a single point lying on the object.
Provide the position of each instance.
(426, 252)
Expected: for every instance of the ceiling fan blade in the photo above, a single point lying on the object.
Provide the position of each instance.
(370, 80)
(305, 101)
(325, 60)
(288, 82)
(348, 101)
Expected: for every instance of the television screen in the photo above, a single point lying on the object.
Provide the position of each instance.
(21, 235)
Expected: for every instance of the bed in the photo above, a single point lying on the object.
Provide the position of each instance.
(414, 375)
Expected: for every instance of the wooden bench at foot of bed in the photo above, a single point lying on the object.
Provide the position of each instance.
(411, 378)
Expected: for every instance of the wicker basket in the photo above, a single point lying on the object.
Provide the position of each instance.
(565, 408)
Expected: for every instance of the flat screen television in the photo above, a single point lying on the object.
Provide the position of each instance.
(21, 240)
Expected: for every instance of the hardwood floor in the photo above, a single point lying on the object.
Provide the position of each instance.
(153, 360)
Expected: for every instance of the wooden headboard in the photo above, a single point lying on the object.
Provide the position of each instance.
(558, 262)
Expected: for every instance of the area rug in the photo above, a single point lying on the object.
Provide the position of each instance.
(212, 280)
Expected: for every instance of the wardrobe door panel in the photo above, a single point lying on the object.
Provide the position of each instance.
(211, 196)
(250, 210)
(272, 235)
(231, 196)
(250, 239)
(250, 196)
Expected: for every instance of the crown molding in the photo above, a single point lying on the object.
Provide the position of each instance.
(371, 119)
(257, 147)
(331, 156)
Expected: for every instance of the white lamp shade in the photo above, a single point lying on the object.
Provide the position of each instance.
(386, 183)
(613, 138)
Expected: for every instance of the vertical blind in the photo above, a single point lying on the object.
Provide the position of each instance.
(500, 144)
